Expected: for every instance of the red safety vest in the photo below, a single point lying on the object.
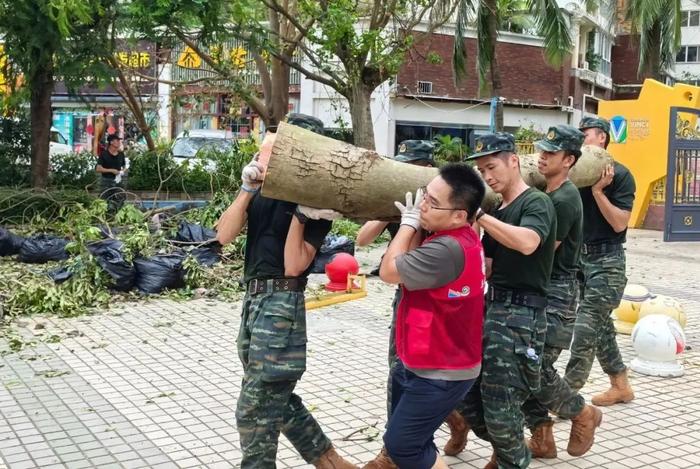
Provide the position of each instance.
(441, 328)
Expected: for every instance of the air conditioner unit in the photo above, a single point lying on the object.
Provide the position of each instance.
(425, 87)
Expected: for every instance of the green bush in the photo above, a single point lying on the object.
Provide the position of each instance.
(21, 206)
(15, 148)
(148, 169)
(73, 170)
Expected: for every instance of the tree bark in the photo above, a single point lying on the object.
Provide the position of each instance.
(41, 117)
(359, 100)
(494, 67)
(317, 171)
(132, 102)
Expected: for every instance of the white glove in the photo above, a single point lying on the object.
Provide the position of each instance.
(410, 213)
(251, 176)
(118, 177)
(319, 213)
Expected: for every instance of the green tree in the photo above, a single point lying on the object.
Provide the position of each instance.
(353, 47)
(45, 39)
(489, 16)
(658, 23)
(204, 26)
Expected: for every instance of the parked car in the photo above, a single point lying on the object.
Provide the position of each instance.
(58, 144)
(190, 144)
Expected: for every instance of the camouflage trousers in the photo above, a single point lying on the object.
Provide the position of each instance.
(113, 193)
(272, 349)
(604, 282)
(554, 393)
(393, 358)
(513, 345)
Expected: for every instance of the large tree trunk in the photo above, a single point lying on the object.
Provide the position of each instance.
(41, 117)
(362, 129)
(494, 67)
(310, 169)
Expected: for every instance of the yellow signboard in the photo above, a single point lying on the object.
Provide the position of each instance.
(189, 59)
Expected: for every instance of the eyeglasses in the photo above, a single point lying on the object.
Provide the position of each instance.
(431, 200)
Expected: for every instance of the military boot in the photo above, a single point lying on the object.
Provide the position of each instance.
(583, 430)
(332, 460)
(382, 461)
(459, 429)
(542, 441)
(620, 391)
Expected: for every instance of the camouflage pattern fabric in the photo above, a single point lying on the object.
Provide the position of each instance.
(513, 349)
(594, 331)
(272, 349)
(554, 393)
(113, 193)
(393, 358)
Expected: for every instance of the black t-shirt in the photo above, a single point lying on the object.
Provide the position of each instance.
(268, 225)
(110, 161)
(567, 204)
(392, 228)
(512, 270)
(620, 192)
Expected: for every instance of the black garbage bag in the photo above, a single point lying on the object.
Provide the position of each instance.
(193, 233)
(60, 274)
(332, 245)
(108, 254)
(9, 242)
(155, 274)
(43, 248)
(207, 255)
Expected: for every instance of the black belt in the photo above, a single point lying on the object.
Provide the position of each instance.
(516, 298)
(270, 285)
(563, 277)
(601, 248)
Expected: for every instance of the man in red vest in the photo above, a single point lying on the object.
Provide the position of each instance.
(440, 315)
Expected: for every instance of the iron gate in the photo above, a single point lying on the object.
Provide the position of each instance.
(682, 214)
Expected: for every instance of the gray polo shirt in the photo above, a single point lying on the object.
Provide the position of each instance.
(433, 265)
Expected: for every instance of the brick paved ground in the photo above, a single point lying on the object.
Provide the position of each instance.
(154, 384)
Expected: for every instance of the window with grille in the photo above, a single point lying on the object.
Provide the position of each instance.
(425, 87)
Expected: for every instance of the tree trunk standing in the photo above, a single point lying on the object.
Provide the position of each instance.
(41, 117)
(494, 69)
(132, 102)
(279, 100)
(654, 62)
(359, 99)
(309, 169)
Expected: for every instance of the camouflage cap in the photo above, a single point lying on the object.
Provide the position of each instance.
(306, 121)
(493, 143)
(411, 151)
(561, 137)
(595, 122)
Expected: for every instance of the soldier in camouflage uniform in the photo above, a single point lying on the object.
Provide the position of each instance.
(519, 247)
(282, 241)
(607, 208)
(559, 151)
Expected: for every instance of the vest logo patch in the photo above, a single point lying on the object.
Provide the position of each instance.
(457, 294)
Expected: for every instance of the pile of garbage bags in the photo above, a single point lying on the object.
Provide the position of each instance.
(147, 274)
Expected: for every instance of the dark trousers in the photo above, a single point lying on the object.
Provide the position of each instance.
(419, 406)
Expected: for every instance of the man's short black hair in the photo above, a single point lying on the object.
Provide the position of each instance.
(467, 187)
(111, 137)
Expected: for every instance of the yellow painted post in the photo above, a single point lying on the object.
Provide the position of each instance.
(639, 135)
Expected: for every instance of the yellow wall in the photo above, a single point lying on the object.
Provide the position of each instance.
(645, 151)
